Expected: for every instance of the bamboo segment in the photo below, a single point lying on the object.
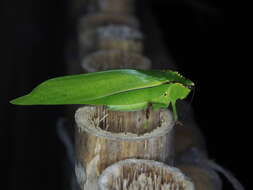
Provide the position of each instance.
(104, 137)
(203, 178)
(114, 59)
(136, 174)
(87, 29)
(120, 37)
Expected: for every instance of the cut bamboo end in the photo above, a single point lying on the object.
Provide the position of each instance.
(104, 137)
(121, 125)
(203, 178)
(114, 59)
(135, 174)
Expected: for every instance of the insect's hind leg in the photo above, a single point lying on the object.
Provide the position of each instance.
(174, 109)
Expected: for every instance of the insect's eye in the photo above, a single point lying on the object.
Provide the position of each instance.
(165, 94)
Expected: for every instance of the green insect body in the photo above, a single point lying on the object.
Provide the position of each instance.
(158, 96)
(119, 90)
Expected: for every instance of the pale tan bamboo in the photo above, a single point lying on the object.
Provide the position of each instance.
(104, 137)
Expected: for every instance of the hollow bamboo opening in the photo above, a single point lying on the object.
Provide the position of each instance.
(133, 174)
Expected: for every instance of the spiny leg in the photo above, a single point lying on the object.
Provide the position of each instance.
(175, 117)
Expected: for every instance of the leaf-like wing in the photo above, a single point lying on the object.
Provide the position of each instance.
(77, 89)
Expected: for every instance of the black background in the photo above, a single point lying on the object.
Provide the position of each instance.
(200, 43)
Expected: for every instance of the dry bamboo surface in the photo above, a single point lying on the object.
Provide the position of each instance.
(103, 138)
(136, 174)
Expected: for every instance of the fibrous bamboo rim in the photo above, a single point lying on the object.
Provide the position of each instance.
(136, 174)
(90, 125)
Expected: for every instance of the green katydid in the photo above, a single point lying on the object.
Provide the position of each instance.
(119, 90)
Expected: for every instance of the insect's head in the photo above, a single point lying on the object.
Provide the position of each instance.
(175, 77)
(177, 91)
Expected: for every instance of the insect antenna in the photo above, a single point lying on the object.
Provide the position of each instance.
(192, 96)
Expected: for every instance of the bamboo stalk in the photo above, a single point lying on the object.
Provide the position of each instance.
(89, 23)
(104, 137)
(108, 32)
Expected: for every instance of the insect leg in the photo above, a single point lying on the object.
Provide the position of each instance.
(174, 109)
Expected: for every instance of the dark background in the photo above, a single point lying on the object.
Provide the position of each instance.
(199, 42)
